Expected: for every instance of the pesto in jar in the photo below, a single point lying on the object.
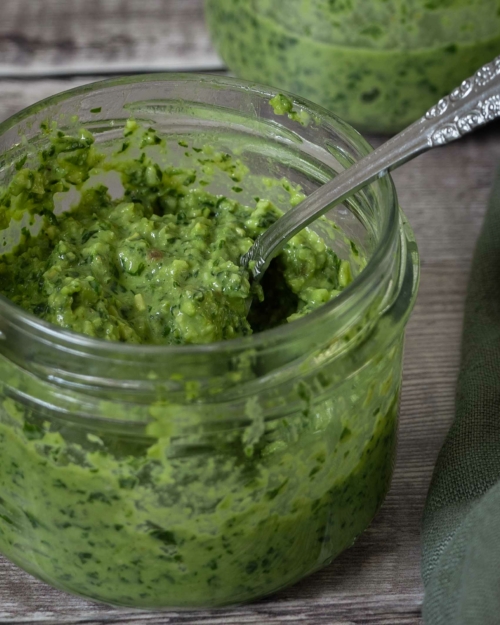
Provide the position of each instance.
(378, 64)
(158, 264)
(240, 505)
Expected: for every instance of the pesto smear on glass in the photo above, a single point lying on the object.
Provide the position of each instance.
(158, 264)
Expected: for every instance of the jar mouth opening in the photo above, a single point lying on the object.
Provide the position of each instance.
(340, 304)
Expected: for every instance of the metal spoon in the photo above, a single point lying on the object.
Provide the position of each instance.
(474, 103)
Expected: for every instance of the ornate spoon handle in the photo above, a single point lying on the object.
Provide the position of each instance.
(474, 103)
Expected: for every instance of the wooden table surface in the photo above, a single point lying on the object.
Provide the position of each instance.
(51, 45)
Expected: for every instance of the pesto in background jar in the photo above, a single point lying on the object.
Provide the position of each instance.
(378, 65)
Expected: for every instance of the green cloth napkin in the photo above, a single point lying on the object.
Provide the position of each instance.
(461, 527)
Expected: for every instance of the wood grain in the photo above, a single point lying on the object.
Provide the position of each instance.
(103, 36)
(18, 94)
(377, 581)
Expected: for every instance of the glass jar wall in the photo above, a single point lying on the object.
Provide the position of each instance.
(197, 476)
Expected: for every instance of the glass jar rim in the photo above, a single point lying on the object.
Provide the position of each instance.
(341, 304)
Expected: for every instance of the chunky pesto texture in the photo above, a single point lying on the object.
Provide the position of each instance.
(159, 264)
(378, 65)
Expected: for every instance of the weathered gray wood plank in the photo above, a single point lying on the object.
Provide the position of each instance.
(18, 94)
(103, 36)
(377, 581)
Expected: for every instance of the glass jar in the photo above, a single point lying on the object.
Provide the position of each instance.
(203, 475)
(378, 65)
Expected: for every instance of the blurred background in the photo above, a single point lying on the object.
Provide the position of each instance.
(47, 46)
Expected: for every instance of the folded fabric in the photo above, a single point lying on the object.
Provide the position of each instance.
(461, 527)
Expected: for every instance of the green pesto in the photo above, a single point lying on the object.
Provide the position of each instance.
(236, 508)
(160, 264)
(378, 65)
(131, 523)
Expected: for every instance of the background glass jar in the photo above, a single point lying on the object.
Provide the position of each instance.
(378, 65)
(156, 476)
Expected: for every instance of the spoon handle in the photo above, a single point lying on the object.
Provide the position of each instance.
(474, 103)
